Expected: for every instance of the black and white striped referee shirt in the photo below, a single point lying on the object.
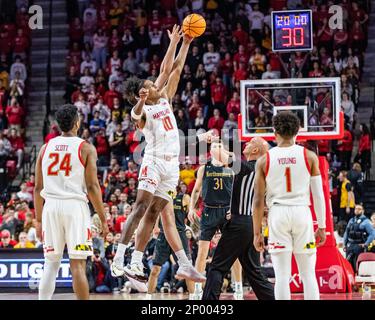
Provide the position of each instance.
(243, 189)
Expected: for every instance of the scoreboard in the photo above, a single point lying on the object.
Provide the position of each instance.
(292, 30)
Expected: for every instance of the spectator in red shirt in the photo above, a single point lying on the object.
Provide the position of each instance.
(132, 171)
(6, 43)
(240, 56)
(76, 30)
(131, 186)
(226, 66)
(132, 139)
(103, 7)
(316, 72)
(114, 42)
(325, 35)
(194, 106)
(15, 115)
(155, 21)
(3, 96)
(103, 22)
(21, 44)
(30, 184)
(241, 35)
(357, 37)
(345, 147)
(364, 148)
(102, 148)
(6, 241)
(240, 73)
(357, 14)
(275, 63)
(234, 105)
(219, 95)
(169, 20)
(18, 145)
(54, 132)
(110, 96)
(216, 121)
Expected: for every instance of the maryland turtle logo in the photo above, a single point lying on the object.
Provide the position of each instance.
(83, 247)
(310, 245)
(172, 193)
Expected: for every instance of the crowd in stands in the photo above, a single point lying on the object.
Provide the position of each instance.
(111, 40)
(14, 53)
(16, 216)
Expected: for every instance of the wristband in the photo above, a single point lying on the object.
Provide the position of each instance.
(135, 116)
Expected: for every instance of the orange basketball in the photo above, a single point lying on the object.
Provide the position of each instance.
(194, 25)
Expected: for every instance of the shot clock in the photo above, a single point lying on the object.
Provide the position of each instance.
(292, 30)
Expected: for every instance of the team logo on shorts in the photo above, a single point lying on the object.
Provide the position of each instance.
(310, 245)
(172, 193)
(275, 245)
(144, 172)
(83, 247)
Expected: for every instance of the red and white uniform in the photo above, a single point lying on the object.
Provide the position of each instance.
(66, 215)
(288, 199)
(159, 172)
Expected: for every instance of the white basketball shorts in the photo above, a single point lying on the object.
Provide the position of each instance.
(291, 229)
(66, 222)
(159, 177)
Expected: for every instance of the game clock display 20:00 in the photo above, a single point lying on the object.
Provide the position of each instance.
(292, 30)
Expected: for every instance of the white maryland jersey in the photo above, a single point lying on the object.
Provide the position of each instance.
(63, 170)
(287, 177)
(161, 132)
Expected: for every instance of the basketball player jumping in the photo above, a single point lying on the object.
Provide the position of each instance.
(285, 175)
(159, 172)
(65, 177)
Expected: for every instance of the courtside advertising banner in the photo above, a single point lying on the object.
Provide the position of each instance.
(22, 268)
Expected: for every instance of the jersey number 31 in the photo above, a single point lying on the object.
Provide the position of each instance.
(56, 166)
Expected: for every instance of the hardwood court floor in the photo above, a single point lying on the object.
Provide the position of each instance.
(123, 296)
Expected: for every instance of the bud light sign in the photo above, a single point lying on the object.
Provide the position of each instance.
(23, 268)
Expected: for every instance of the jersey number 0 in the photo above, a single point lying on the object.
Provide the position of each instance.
(56, 166)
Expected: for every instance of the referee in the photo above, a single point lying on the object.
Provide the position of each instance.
(237, 237)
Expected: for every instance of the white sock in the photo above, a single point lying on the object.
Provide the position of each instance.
(137, 257)
(120, 253)
(182, 258)
(197, 287)
(48, 281)
(238, 286)
(306, 268)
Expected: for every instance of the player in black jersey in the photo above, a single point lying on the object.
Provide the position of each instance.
(214, 181)
(237, 237)
(163, 250)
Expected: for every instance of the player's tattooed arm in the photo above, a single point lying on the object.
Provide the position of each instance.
(94, 193)
(167, 64)
(195, 194)
(38, 199)
(258, 203)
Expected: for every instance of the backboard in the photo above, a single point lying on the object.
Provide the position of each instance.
(316, 101)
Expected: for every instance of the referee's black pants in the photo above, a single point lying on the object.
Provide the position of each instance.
(237, 242)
